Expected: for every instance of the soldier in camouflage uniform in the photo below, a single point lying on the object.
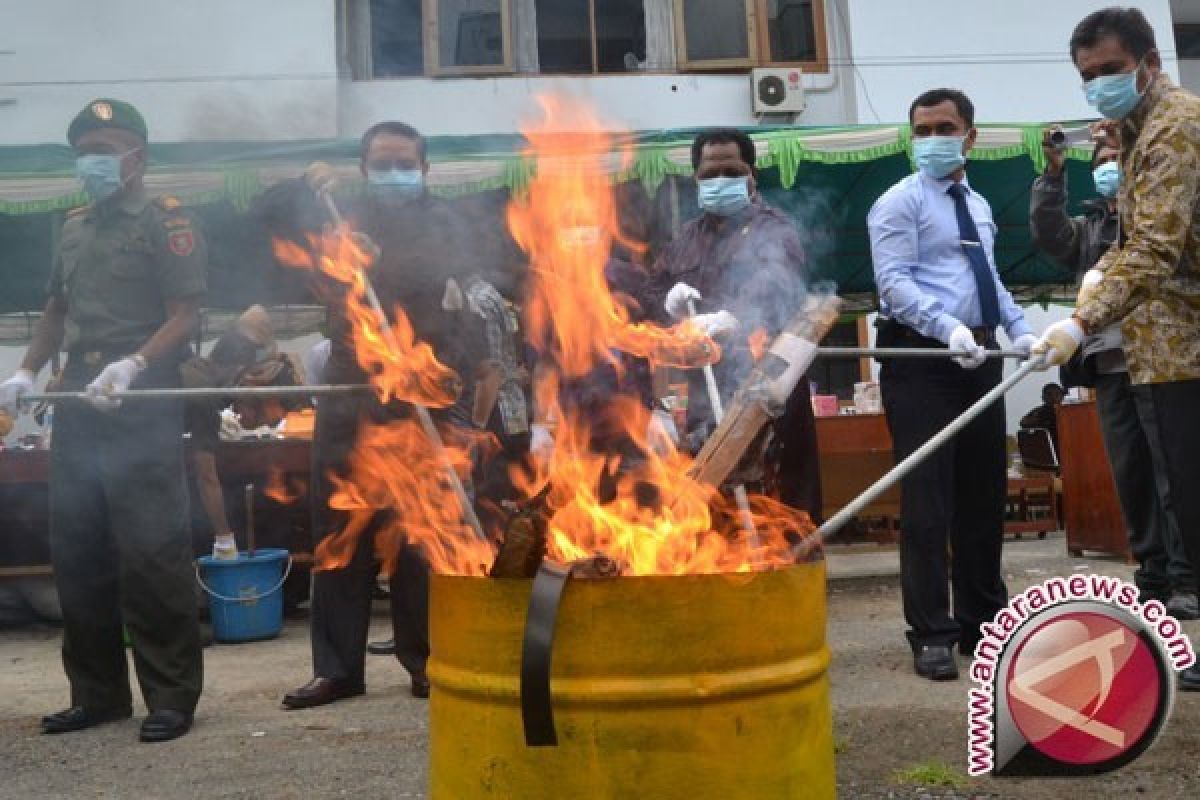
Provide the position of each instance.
(1150, 280)
(123, 297)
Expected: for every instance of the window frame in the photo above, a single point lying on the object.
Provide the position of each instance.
(685, 64)
(758, 33)
(433, 68)
(820, 39)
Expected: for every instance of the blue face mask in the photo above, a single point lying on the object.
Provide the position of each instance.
(1107, 178)
(100, 174)
(938, 156)
(396, 184)
(1114, 96)
(723, 196)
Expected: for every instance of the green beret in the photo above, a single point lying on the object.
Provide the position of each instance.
(106, 113)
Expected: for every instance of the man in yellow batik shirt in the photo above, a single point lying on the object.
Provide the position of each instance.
(1149, 281)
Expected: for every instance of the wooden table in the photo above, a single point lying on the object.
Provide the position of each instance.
(854, 451)
(24, 499)
(1032, 506)
(1090, 508)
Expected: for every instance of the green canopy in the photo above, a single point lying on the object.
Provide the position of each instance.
(827, 178)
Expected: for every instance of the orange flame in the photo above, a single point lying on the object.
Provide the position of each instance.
(398, 483)
(758, 341)
(280, 489)
(640, 508)
(566, 223)
(398, 365)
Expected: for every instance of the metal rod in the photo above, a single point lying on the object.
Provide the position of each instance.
(909, 352)
(422, 413)
(892, 477)
(718, 408)
(250, 537)
(205, 392)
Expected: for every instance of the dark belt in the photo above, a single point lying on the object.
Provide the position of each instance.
(895, 334)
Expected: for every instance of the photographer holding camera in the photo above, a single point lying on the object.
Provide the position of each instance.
(1127, 418)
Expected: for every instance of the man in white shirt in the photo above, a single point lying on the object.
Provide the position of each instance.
(932, 241)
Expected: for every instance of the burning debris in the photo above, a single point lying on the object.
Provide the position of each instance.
(615, 493)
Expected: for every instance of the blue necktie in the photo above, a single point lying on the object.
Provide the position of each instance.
(989, 303)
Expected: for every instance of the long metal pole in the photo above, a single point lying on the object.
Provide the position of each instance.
(909, 352)
(718, 408)
(206, 392)
(891, 478)
(422, 413)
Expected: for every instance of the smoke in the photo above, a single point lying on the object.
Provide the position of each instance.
(768, 268)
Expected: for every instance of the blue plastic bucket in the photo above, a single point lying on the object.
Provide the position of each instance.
(246, 595)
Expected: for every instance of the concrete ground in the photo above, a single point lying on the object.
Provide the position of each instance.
(897, 736)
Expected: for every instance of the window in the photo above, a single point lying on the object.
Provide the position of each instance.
(403, 38)
(1187, 41)
(397, 47)
(732, 34)
(590, 36)
(467, 36)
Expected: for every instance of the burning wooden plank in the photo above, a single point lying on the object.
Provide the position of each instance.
(762, 395)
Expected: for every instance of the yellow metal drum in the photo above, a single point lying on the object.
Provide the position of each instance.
(690, 687)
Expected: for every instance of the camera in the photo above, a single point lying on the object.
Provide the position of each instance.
(1062, 139)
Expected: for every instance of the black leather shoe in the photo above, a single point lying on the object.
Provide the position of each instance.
(384, 648)
(77, 718)
(164, 725)
(321, 691)
(1189, 679)
(420, 685)
(936, 662)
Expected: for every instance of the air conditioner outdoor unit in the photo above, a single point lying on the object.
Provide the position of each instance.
(777, 90)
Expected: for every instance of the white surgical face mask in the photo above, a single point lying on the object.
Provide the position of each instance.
(100, 173)
(396, 184)
(723, 196)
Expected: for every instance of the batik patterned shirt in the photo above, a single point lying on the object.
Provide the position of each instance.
(1151, 281)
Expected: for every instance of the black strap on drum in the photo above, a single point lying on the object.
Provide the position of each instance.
(537, 708)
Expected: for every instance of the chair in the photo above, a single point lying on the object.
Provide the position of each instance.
(1037, 450)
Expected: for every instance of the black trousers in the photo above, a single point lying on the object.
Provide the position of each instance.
(121, 549)
(341, 598)
(952, 505)
(799, 470)
(1131, 439)
(1175, 407)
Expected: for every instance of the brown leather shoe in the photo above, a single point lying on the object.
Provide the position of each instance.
(321, 691)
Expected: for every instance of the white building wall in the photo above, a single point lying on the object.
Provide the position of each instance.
(1011, 58)
(229, 69)
(218, 69)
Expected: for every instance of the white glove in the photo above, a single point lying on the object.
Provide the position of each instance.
(541, 441)
(11, 391)
(367, 245)
(717, 324)
(1087, 287)
(661, 434)
(1059, 342)
(963, 341)
(677, 300)
(1024, 343)
(116, 377)
(320, 177)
